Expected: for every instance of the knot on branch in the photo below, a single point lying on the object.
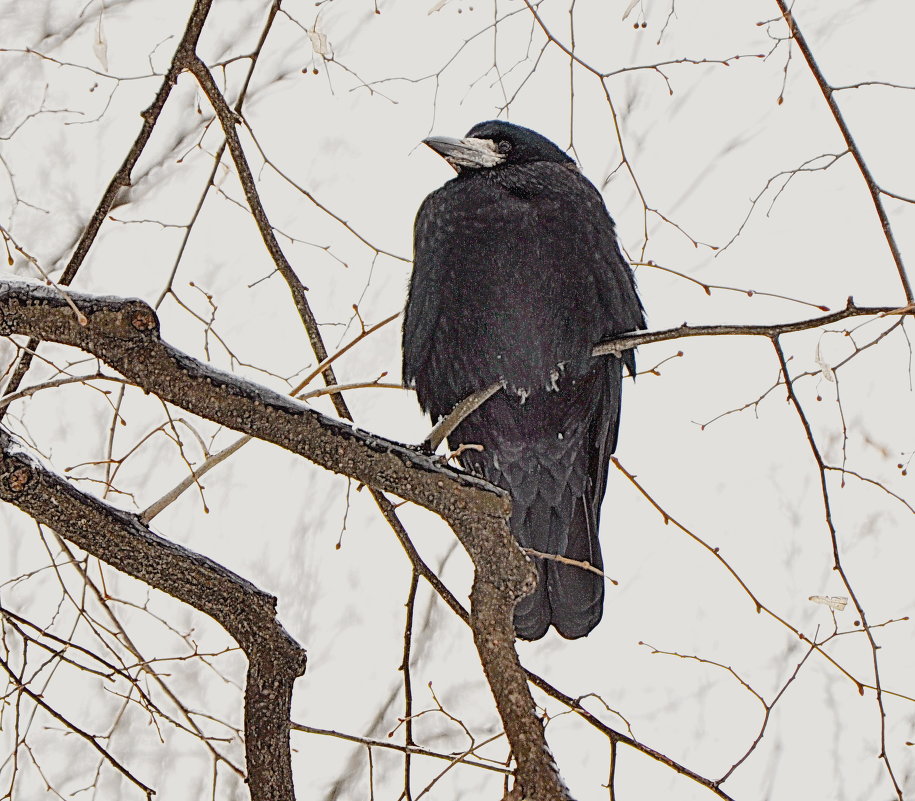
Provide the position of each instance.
(19, 479)
(72, 318)
(144, 319)
(123, 319)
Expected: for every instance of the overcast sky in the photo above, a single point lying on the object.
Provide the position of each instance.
(700, 141)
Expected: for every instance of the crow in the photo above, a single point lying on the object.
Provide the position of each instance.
(517, 274)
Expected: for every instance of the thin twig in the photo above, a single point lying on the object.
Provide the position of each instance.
(121, 179)
(39, 701)
(453, 419)
(837, 562)
(412, 749)
(408, 683)
(872, 186)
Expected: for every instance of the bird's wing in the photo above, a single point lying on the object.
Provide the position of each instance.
(425, 294)
(581, 237)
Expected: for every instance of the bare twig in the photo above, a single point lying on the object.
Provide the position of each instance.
(408, 684)
(453, 419)
(411, 749)
(872, 186)
(184, 52)
(625, 342)
(837, 562)
(573, 562)
(247, 613)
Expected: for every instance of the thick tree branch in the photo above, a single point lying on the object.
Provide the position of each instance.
(275, 660)
(124, 334)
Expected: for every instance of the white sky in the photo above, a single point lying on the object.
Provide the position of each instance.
(746, 483)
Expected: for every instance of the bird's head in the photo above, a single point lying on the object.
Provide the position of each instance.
(496, 143)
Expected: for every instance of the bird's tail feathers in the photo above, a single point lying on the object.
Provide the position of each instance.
(576, 594)
(568, 596)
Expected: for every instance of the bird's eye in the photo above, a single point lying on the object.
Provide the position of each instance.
(504, 146)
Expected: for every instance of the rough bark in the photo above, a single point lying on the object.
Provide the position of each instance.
(124, 333)
(275, 660)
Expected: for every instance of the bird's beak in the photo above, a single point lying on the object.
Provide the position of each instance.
(468, 152)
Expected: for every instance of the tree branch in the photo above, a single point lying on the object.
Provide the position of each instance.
(184, 52)
(275, 660)
(125, 334)
(228, 119)
(624, 342)
(619, 344)
(872, 187)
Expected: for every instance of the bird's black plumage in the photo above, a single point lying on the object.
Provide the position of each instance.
(517, 274)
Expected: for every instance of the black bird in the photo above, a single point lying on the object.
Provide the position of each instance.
(517, 274)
